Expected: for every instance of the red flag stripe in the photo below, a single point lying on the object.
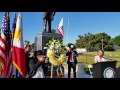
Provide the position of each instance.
(60, 33)
(10, 75)
(2, 41)
(8, 67)
(2, 50)
(3, 65)
(2, 60)
(19, 60)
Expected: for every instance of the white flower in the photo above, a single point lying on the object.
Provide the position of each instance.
(52, 46)
(90, 66)
(52, 43)
(45, 47)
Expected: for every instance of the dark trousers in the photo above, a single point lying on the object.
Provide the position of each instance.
(71, 65)
(47, 21)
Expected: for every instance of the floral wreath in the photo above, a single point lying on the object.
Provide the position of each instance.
(56, 52)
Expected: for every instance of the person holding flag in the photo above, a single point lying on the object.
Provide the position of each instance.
(18, 53)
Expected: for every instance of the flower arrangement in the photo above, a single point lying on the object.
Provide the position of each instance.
(56, 52)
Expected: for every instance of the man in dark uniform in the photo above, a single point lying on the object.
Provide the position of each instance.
(47, 17)
(28, 56)
(35, 63)
(72, 60)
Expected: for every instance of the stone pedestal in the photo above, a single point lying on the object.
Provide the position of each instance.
(42, 38)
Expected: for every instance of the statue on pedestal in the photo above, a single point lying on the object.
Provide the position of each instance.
(47, 18)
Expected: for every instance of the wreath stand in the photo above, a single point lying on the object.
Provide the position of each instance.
(51, 70)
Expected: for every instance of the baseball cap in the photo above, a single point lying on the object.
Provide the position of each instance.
(39, 52)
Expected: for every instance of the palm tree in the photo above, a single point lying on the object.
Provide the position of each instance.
(27, 42)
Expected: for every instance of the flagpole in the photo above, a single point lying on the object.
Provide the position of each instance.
(14, 73)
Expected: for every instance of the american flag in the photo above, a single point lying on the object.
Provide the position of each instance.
(5, 47)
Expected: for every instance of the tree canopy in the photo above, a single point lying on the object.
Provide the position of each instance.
(94, 41)
(116, 40)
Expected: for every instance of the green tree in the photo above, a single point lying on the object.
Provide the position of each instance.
(85, 41)
(116, 40)
(94, 41)
(33, 46)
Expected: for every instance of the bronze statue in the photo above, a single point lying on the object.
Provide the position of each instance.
(47, 18)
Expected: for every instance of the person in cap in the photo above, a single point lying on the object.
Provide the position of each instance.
(72, 60)
(35, 65)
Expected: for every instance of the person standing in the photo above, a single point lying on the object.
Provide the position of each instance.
(28, 56)
(72, 60)
(100, 57)
(36, 66)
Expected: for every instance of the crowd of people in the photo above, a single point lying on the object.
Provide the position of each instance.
(37, 63)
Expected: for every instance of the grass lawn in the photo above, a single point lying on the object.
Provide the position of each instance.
(107, 53)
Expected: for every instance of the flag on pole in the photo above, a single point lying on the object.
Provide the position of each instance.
(13, 27)
(18, 53)
(5, 47)
(60, 28)
(9, 59)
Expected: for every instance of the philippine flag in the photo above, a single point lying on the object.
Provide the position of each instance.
(18, 54)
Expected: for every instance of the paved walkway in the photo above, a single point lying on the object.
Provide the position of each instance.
(78, 75)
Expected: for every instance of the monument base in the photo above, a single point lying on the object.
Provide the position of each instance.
(42, 38)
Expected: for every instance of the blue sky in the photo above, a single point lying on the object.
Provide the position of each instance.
(79, 23)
